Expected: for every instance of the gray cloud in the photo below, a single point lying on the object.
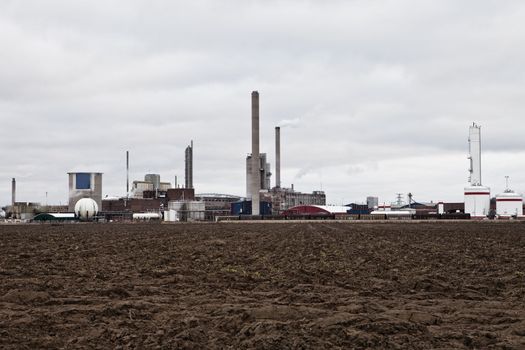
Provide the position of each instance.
(384, 91)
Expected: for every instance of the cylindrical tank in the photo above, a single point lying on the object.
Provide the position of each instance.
(441, 208)
(86, 209)
(146, 216)
(477, 201)
(154, 179)
(509, 204)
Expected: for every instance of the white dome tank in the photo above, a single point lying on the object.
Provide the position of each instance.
(86, 209)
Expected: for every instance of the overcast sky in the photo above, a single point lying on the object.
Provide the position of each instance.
(375, 96)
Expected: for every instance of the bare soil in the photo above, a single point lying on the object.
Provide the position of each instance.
(263, 286)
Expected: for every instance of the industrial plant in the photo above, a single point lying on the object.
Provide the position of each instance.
(151, 199)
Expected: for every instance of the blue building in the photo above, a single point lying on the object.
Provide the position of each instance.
(245, 208)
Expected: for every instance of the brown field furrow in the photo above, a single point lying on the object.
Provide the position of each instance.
(263, 286)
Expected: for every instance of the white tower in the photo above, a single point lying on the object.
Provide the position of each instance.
(474, 140)
(477, 196)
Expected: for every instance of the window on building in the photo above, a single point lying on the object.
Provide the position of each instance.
(83, 181)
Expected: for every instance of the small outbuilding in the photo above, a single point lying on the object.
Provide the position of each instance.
(509, 204)
(55, 217)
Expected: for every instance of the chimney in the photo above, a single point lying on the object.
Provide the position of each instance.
(13, 192)
(277, 157)
(127, 174)
(189, 166)
(256, 163)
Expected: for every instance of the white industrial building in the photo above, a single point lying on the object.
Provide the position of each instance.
(84, 185)
(151, 183)
(477, 196)
(185, 211)
(509, 203)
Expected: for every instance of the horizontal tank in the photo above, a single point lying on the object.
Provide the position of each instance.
(407, 212)
(146, 216)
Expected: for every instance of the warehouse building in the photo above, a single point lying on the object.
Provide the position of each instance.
(284, 198)
(216, 204)
(151, 184)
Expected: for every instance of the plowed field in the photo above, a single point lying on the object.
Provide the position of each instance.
(263, 286)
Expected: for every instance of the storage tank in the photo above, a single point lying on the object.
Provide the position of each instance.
(146, 216)
(509, 204)
(441, 208)
(406, 213)
(154, 179)
(86, 209)
(477, 201)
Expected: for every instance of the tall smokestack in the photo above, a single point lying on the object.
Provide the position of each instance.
(13, 192)
(277, 157)
(189, 166)
(256, 171)
(127, 174)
